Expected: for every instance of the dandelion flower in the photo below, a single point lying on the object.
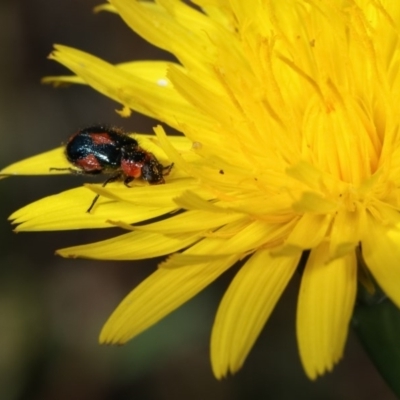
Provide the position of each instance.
(290, 116)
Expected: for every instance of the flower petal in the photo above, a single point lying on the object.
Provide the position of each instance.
(67, 210)
(191, 221)
(381, 252)
(161, 293)
(40, 164)
(156, 100)
(309, 231)
(149, 71)
(325, 305)
(141, 193)
(240, 237)
(131, 246)
(174, 27)
(246, 307)
(105, 7)
(346, 231)
(314, 203)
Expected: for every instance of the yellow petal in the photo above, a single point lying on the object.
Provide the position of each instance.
(40, 164)
(325, 305)
(158, 295)
(203, 98)
(172, 152)
(381, 252)
(240, 237)
(306, 173)
(67, 210)
(131, 246)
(141, 193)
(149, 71)
(156, 100)
(172, 26)
(346, 231)
(218, 11)
(191, 201)
(191, 221)
(309, 231)
(105, 7)
(315, 203)
(204, 250)
(246, 307)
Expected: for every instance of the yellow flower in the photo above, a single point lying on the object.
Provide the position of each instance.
(290, 112)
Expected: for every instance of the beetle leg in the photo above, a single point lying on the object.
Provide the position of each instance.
(167, 169)
(77, 171)
(127, 180)
(112, 178)
(73, 171)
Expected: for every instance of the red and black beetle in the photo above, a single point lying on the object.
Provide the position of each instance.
(100, 149)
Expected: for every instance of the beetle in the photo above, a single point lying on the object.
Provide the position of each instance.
(99, 149)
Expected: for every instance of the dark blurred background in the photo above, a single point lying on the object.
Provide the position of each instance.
(51, 309)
